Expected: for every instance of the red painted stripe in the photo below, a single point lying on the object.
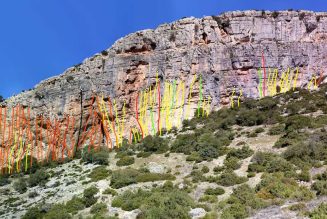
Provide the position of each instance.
(137, 113)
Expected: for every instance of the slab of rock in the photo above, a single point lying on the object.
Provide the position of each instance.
(131, 214)
(156, 168)
(196, 213)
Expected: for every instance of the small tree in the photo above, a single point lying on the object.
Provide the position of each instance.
(89, 194)
(1, 99)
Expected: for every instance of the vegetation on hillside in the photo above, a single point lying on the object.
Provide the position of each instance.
(218, 152)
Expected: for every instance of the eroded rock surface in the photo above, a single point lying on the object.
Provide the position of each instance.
(226, 50)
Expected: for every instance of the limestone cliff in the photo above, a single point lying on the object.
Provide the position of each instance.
(226, 50)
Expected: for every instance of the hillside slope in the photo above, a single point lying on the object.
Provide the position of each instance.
(264, 159)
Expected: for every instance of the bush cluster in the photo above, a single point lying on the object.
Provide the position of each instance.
(20, 185)
(64, 211)
(242, 201)
(154, 144)
(227, 178)
(319, 212)
(202, 146)
(95, 155)
(269, 162)
(278, 186)
(241, 153)
(125, 161)
(309, 151)
(124, 177)
(214, 191)
(89, 196)
(99, 173)
(162, 202)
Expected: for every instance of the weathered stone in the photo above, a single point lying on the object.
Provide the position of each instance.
(197, 213)
(226, 50)
(156, 168)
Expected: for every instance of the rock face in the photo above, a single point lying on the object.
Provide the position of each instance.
(197, 213)
(226, 50)
(156, 168)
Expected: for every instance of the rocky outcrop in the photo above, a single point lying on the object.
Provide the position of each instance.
(226, 50)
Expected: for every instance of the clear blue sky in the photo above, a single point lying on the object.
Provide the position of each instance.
(41, 38)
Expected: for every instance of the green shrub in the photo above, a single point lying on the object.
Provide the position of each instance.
(211, 146)
(250, 117)
(124, 177)
(143, 154)
(322, 176)
(278, 164)
(203, 144)
(242, 153)
(209, 199)
(110, 191)
(293, 108)
(276, 130)
(259, 130)
(33, 213)
(277, 185)
(304, 176)
(99, 173)
(310, 108)
(96, 156)
(252, 135)
(311, 147)
(255, 168)
(205, 169)
(125, 161)
(184, 143)
(20, 186)
(40, 177)
(320, 212)
(124, 151)
(162, 202)
(130, 200)
(57, 211)
(228, 178)
(99, 208)
(232, 163)
(320, 187)
(303, 194)
(74, 205)
(297, 122)
(197, 176)
(241, 202)
(297, 207)
(218, 169)
(154, 144)
(223, 138)
(236, 210)
(283, 142)
(208, 153)
(4, 180)
(246, 195)
(267, 103)
(88, 196)
(215, 191)
(150, 177)
(194, 156)
(269, 162)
